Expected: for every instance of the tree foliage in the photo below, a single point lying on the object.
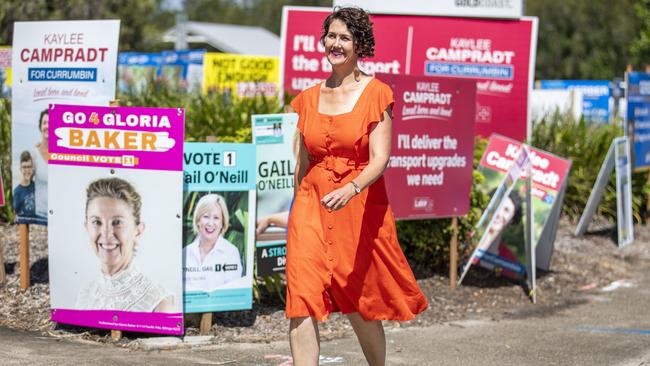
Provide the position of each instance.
(585, 39)
(640, 48)
(263, 13)
(142, 21)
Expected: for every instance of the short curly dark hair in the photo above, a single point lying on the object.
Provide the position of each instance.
(358, 22)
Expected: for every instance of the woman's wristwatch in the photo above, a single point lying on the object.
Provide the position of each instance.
(357, 189)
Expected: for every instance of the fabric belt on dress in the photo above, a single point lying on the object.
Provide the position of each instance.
(340, 166)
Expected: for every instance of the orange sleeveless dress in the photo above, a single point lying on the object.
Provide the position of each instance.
(347, 260)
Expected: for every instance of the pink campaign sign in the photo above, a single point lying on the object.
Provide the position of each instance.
(116, 137)
(498, 55)
(161, 323)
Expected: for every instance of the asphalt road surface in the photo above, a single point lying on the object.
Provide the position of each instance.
(600, 328)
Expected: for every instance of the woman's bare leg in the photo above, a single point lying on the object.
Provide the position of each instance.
(371, 338)
(304, 340)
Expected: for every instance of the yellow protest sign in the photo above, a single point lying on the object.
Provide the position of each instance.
(241, 75)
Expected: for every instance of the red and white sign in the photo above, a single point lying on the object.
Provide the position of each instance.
(429, 174)
(458, 8)
(499, 55)
(549, 171)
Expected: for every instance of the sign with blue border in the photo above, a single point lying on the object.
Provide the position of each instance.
(218, 226)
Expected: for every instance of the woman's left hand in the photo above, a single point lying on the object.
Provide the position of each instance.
(339, 197)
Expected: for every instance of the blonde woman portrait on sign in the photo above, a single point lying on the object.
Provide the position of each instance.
(210, 261)
(114, 227)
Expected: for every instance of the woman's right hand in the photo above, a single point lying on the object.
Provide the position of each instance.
(262, 224)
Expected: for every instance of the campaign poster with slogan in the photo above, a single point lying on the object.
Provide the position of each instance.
(116, 185)
(5, 72)
(506, 242)
(275, 139)
(218, 226)
(491, 221)
(638, 117)
(499, 55)
(63, 62)
(241, 76)
(429, 173)
(595, 96)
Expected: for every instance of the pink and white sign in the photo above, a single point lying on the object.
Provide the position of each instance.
(125, 137)
(499, 55)
(116, 189)
(429, 174)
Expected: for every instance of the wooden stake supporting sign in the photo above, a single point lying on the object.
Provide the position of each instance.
(453, 254)
(116, 335)
(23, 248)
(3, 275)
(206, 324)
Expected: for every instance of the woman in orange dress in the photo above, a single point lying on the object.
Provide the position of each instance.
(342, 249)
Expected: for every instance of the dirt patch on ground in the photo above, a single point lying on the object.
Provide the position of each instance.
(580, 265)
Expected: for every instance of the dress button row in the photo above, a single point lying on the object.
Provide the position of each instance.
(330, 259)
(330, 227)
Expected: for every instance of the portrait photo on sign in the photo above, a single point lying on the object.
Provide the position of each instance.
(30, 156)
(113, 242)
(214, 239)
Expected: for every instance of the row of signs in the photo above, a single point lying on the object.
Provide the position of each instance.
(110, 167)
(240, 76)
(210, 196)
(595, 96)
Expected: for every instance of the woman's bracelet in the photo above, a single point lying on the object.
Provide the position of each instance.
(357, 189)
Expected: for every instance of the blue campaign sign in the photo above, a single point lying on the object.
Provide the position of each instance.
(638, 116)
(179, 69)
(139, 59)
(596, 93)
(218, 226)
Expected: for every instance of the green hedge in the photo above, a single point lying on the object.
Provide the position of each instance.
(207, 115)
(586, 145)
(6, 212)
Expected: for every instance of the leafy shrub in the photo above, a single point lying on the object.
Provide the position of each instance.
(426, 242)
(207, 115)
(586, 145)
